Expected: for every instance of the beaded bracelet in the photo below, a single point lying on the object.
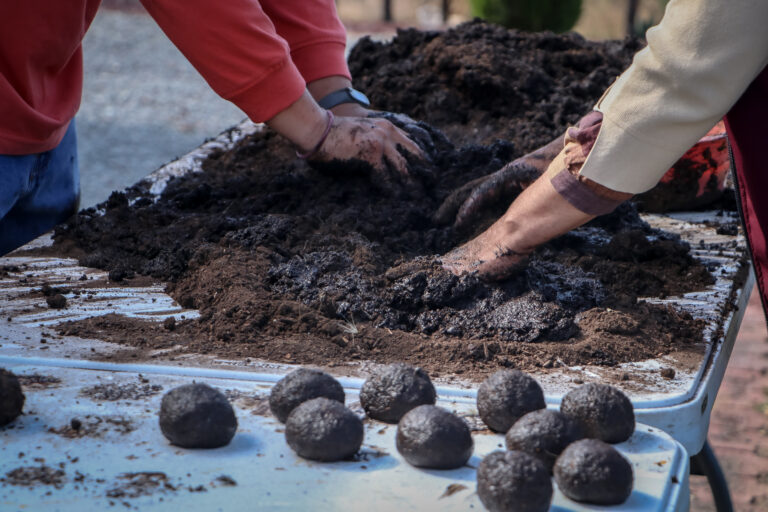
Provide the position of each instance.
(314, 150)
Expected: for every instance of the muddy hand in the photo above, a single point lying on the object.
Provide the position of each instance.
(375, 141)
(467, 203)
(427, 137)
(489, 255)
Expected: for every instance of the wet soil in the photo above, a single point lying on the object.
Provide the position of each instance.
(322, 266)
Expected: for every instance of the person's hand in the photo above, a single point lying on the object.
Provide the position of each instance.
(374, 141)
(377, 143)
(465, 204)
(539, 214)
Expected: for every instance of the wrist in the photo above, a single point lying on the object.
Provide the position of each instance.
(303, 123)
(322, 87)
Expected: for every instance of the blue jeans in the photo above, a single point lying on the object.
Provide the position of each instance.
(38, 191)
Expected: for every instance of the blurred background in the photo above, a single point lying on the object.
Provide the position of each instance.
(144, 104)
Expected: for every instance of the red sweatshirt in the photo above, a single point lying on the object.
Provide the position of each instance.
(259, 54)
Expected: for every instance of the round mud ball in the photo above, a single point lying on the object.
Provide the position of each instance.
(197, 416)
(394, 390)
(431, 437)
(544, 434)
(299, 386)
(323, 429)
(603, 412)
(507, 395)
(11, 397)
(514, 481)
(592, 471)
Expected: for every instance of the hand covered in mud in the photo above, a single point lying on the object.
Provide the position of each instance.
(538, 214)
(376, 142)
(468, 202)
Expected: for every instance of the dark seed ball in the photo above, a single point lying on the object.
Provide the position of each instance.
(11, 397)
(544, 434)
(592, 471)
(299, 386)
(394, 390)
(507, 395)
(323, 429)
(514, 481)
(603, 411)
(197, 416)
(431, 437)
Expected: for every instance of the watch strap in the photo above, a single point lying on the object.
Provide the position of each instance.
(345, 95)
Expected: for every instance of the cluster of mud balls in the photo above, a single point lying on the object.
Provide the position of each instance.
(572, 443)
(319, 427)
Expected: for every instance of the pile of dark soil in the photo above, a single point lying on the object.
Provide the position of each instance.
(482, 82)
(291, 263)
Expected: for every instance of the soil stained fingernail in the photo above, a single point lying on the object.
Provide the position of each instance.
(514, 481)
(11, 397)
(603, 411)
(544, 434)
(393, 390)
(324, 430)
(197, 416)
(432, 437)
(299, 386)
(591, 471)
(506, 396)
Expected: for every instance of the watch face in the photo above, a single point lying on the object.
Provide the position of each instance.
(359, 97)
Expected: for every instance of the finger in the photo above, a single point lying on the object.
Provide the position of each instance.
(404, 140)
(479, 199)
(505, 183)
(501, 267)
(397, 161)
(446, 213)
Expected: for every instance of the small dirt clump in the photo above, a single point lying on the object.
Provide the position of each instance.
(432, 437)
(299, 386)
(592, 471)
(323, 429)
(393, 390)
(57, 301)
(544, 434)
(197, 416)
(514, 481)
(507, 395)
(603, 412)
(11, 397)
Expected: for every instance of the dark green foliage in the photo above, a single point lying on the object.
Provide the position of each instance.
(530, 15)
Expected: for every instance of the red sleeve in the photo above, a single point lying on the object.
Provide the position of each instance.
(235, 47)
(314, 33)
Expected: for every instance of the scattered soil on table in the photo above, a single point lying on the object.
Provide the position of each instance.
(112, 392)
(36, 381)
(29, 476)
(144, 483)
(321, 266)
(94, 426)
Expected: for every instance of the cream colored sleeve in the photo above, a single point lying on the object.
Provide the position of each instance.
(698, 62)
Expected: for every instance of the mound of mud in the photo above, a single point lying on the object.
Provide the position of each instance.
(291, 263)
(482, 82)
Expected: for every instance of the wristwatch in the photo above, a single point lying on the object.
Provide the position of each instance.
(345, 95)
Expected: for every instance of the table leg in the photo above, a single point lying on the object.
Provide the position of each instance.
(705, 463)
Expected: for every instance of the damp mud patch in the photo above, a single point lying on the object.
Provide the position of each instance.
(291, 263)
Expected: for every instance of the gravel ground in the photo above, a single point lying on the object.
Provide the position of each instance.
(143, 104)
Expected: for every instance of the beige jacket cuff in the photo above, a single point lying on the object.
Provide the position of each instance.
(698, 62)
